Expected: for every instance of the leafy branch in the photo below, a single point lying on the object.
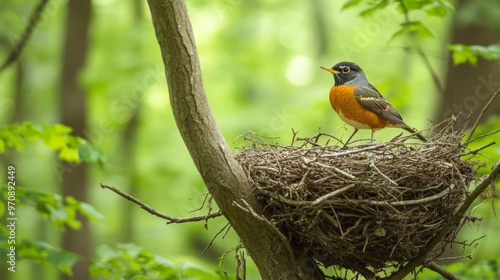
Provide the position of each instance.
(57, 137)
(470, 54)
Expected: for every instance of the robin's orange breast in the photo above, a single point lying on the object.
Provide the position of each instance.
(352, 112)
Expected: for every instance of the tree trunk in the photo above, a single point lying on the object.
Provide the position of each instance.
(218, 167)
(468, 87)
(73, 114)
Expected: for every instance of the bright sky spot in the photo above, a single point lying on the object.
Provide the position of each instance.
(299, 71)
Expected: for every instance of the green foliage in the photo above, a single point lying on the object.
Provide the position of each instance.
(414, 27)
(132, 262)
(58, 210)
(57, 137)
(489, 269)
(47, 254)
(246, 50)
(439, 8)
(470, 54)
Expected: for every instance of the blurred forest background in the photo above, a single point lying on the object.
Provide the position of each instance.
(95, 66)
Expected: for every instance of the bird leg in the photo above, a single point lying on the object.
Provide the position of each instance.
(355, 131)
(373, 132)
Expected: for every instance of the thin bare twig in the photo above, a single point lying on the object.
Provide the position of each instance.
(469, 256)
(476, 123)
(149, 209)
(434, 75)
(475, 151)
(215, 236)
(28, 31)
(207, 194)
(485, 135)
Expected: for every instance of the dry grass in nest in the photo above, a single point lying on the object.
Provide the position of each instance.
(374, 205)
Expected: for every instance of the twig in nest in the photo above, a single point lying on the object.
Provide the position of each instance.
(372, 165)
(332, 194)
(170, 219)
(412, 202)
(334, 168)
(369, 148)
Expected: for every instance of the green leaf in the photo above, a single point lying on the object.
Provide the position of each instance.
(378, 6)
(11, 138)
(89, 153)
(191, 271)
(59, 129)
(414, 27)
(440, 8)
(45, 253)
(470, 54)
(57, 137)
(31, 131)
(351, 3)
(90, 212)
(129, 261)
(59, 212)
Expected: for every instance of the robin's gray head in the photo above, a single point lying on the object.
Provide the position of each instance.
(347, 73)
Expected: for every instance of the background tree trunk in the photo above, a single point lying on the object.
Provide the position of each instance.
(468, 87)
(73, 114)
(218, 167)
(129, 142)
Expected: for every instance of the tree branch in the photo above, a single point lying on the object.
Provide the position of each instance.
(152, 211)
(454, 220)
(221, 173)
(28, 31)
(436, 268)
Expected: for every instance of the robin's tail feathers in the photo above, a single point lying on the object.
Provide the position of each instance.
(413, 131)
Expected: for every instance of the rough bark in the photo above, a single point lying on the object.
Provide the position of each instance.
(73, 114)
(221, 173)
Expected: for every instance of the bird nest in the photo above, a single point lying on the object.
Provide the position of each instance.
(374, 205)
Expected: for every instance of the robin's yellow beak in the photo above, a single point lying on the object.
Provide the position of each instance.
(329, 70)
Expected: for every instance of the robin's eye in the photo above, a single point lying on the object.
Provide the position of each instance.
(346, 69)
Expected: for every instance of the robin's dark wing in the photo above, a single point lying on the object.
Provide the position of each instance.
(372, 100)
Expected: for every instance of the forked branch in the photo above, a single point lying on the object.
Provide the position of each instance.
(151, 210)
(454, 220)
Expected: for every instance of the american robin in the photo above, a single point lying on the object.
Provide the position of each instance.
(360, 104)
